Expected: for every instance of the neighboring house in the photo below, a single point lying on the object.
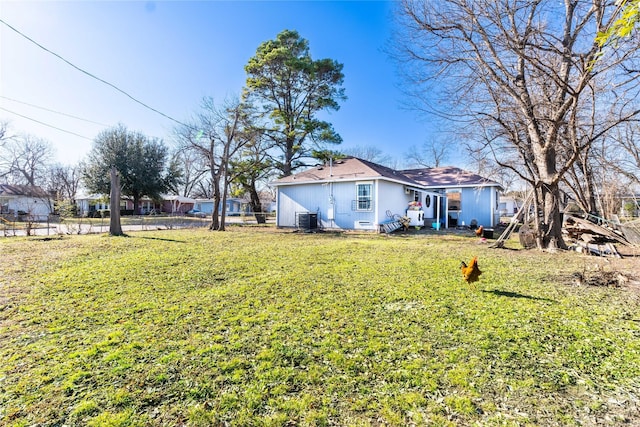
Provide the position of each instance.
(352, 193)
(235, 206)
(177, 204)
(509, 205)
(92, 204)
(25, 200)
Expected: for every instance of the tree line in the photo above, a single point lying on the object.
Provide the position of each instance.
(536, 91)
(230, 147)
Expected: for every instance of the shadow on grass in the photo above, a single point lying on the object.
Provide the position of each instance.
(49, 238)
(159, 238)
(517, 295)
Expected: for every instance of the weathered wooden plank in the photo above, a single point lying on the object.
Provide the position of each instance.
(580, 226)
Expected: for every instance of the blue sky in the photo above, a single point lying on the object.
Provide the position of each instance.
(171, 54)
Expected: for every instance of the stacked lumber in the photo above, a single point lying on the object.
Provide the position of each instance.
(597, 239)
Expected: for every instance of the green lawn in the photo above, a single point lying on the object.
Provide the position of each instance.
(257, 327)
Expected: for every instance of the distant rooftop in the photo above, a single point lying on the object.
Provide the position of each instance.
(23, 190)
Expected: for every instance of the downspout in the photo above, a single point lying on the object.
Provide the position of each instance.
(331, 213)
(446, 211)
(277, 206)
(492, 208)
(438, 206)
(376, 217)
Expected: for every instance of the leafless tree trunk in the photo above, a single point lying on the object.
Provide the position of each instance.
(195, 172)
(251, 169)
(526, 75)
(216, 135)
(115, 228)
(580, 179)
(622, 153)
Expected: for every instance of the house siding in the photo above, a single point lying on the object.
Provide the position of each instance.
(340, 197)
(320, 199)
(508, 206)
(176, 207)
(392, 198)
(331, 193)
(347, 217)
(32, 200)
(295, 199)
(38, 208)
(475, 204)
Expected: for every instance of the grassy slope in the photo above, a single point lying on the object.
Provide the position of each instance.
(258, 327)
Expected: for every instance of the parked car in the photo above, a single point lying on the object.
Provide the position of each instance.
(196, 213)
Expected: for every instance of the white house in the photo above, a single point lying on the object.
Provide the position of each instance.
(88, 204)
(509, 205)
(25, 200)
(352, 193)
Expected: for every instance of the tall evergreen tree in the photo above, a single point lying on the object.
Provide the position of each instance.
(292, 88)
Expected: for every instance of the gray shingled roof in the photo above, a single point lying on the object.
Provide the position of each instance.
(448, 176)
(352, 168)
(22, 190)
(349, 168)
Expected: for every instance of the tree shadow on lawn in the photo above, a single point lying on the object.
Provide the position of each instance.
(517, 295)
(159, 238)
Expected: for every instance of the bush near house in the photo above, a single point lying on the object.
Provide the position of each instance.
(250, 327)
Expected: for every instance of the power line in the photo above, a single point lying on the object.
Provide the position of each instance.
(54, 111)
(45, 124)
(91, 75)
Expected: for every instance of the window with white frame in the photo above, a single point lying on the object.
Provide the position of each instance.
(364, 196)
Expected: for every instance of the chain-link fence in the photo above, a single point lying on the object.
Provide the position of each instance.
(55, 225)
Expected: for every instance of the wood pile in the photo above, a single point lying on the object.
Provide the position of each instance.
(594, 238)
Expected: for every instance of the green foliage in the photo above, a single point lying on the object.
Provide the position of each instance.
(325, 156)
(67, 210)
(140, 162)
(624, 25)
(291, 87)
(275, 328)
